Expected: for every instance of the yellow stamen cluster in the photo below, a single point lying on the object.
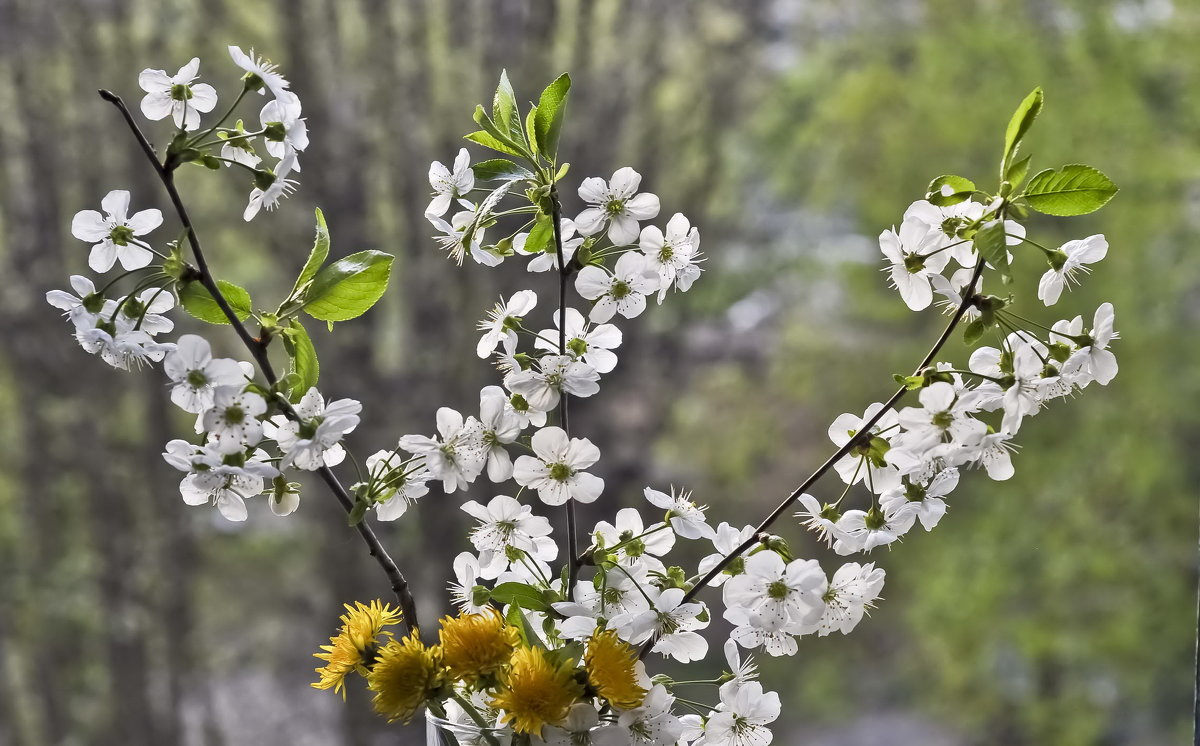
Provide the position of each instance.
(611, 667)
(476, 645)
(536, 692)
(351, 649)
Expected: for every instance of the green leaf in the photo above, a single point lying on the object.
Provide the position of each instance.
(500, 169)
(316, 257)
(197, 301)
(1074, 189)
(504, 107)
(488, 141)
(1022, 120)
(484, 121)
(531, 129)
(520, 594)
(990, 243)
(1017, 171)
(304, 364)
(348, 287)
(541, 237)
(959, 190)
(549, 118)
(358, 512)
(974, 331)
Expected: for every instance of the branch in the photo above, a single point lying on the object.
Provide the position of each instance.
(759, 534)
(564, 275)
(258, 348)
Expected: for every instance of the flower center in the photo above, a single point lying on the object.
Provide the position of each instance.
(778, 590)
(666, 253)
(121, 235)
(950, 226)
(275, 131)
(560, 472)
(614, 206)
(518, 403)
(914, 263)
(196, 379)
(577, 346)
(942, 420)
(235, 415)
(181, 92)
(620, 289)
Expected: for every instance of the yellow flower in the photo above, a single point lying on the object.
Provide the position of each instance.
(404, 677)
(535, 692)
(475, 645)
(611, 667)
(354, 643)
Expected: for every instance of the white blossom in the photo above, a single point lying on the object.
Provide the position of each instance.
(450, 185)
(458, 457)
(269, 195)
(852, 591)
(675, 256)
(501, 426)
(114, 233)
(556, 375)
(623, 291)
(686, 517)
(314, 441)
(286, 133)
(507, 531)
(503, 320)
(197, 374)
(258, 68)
(1067, 263)
(232, 422)
(592, 345)
(556, 470)
(176, 96)
(617, 204)
(777, 595)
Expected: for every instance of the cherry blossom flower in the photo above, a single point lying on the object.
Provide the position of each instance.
(286, 133)
(685, 516)
(501, 426)
(458, 457)
(675, 256)
(547, 260)
(617, 204)
(556, 471)
(113, 234)
(556, 375)
(592, 345)
(197, 374)
(623, 291)
(776, 594)
(725, 540)
(743, 718)
(507, 531)
(913, 255)
(1067, 263)
(176, 96)
(503, 321)
(259, 71)
(852, 591)
(232, 422)
(671, 621)
(450, 185)
(271, 187)
(314, 441)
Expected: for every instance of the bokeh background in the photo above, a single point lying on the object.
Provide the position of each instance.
(1058, 608)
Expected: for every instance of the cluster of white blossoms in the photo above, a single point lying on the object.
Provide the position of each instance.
(244, 450)
(898, 464)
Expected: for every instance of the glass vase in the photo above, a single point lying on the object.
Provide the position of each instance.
(442, 732)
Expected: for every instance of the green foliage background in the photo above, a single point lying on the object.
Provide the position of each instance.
(1057, 608)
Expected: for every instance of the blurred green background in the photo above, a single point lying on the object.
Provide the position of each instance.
(1057, 608)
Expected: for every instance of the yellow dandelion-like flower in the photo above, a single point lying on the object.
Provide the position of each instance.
(404, 677)
(611, 667)
(349, 650)
(535, 692)
(475, 645)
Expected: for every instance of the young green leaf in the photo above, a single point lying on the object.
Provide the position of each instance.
(974, 331)
(525, 596)
(949, 190)
(549, 118)
(348, 287)
(1017, 170)
(484, 121)
(504, 107)
(1074, 189)
(304, 365)
(531, 129)
(990, 243)
(197, 301)
(488, 141)
(1022, 120)
(500, 169)
(316, 257)
(542, 236)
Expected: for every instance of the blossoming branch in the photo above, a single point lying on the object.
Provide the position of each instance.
(550, 636)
